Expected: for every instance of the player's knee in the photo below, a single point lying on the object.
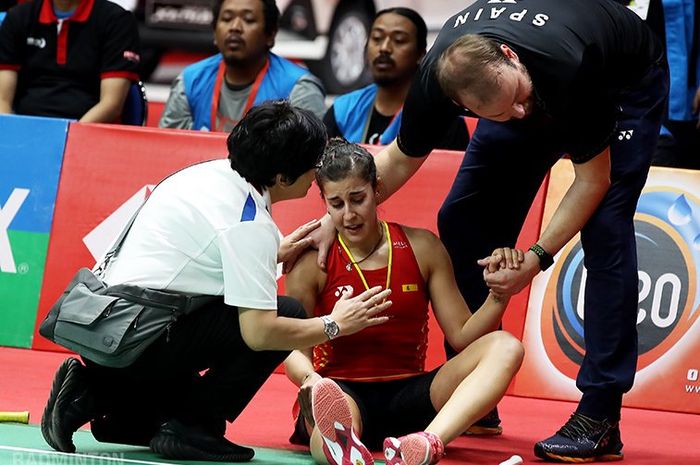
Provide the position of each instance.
(508, 349)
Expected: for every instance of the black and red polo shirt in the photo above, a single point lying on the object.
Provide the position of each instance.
(60, 62)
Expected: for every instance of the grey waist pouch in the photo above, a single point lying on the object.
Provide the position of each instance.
(113, 325)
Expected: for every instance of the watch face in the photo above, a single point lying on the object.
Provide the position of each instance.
(331, 328)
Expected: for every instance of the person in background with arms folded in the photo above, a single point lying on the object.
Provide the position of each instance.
(372, 114)
(208, 230)
(68, 58)
(374, 383)
(213, 94)
(547, 78)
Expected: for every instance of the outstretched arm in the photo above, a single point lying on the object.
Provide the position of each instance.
(460, 327)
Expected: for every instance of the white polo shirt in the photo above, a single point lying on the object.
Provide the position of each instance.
(204, 230)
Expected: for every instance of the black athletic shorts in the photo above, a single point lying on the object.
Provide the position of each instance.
(388, 408)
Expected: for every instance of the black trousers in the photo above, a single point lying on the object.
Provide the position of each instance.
(201, 373)
(489, 200)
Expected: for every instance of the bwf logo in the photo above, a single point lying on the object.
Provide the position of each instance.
(7, 214)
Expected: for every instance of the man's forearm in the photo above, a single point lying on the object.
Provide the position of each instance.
(394, 168)
(579, 203)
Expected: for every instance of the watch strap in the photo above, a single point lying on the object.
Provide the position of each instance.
(545, 257)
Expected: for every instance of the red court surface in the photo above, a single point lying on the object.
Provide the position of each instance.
(651, 437)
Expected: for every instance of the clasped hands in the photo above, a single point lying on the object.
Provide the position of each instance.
(507, 271)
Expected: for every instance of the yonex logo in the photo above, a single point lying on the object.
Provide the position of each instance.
(625, 135)
(342, 290)
(39, 43)
(7, 214)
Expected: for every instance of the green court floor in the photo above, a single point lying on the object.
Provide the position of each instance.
(23, 445)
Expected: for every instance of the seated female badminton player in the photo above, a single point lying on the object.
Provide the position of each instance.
(372, 385)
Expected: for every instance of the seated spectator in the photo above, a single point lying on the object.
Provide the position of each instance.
(373, 385)
(213, 94)
(68, 58)
(372, 115)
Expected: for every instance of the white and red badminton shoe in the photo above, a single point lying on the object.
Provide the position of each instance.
(334, 420)
(422, 448)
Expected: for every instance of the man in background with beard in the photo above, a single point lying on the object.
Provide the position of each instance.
(372, 114)
(215, 93)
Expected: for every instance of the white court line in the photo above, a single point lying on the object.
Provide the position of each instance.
(82, 457)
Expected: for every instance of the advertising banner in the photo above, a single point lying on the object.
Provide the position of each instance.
(29, 172)
(667, 225)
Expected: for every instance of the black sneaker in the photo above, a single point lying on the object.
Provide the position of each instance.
(582, 439)
(180, 442)
(70, 405)
(489, 425)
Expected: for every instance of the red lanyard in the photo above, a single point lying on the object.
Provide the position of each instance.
(217, 91)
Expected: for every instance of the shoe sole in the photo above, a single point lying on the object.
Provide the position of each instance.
(47, 416)
(412, 450)
(475, 430)
(600, 458)
(333, 419)
(172, 447)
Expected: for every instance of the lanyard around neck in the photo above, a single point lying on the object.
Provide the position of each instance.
(357, 267)
(368, 121)
(251, 97)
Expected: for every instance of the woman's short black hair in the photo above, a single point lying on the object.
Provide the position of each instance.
(276, 138)
(343, 159)
(415, 18)
(270, 12)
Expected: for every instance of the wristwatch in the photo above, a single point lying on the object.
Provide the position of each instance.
(330, 327)
(545, 257)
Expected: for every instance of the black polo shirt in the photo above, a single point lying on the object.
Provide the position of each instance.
(580, 55)
(60, 63)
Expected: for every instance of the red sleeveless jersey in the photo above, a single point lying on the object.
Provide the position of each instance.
(391, 350)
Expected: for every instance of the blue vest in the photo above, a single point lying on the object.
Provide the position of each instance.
(200, 78)
(352, 113)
